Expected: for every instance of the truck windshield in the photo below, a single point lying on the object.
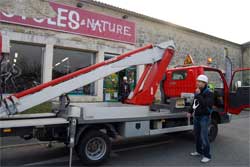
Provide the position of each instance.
(215, 80)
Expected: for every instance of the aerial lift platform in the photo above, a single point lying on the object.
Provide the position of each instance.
(70, 123)
(88, 127)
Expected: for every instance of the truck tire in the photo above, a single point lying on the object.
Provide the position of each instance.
(94, 148)
(212, 130)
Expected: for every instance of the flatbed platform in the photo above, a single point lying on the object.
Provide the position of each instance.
(28, 116)
(32, 122)
(117, 112)
(91, 113)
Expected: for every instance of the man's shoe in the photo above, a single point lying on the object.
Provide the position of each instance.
(195, 153)
(205, 160)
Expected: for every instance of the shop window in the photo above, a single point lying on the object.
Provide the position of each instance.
(111, 86)
(66, 61)
(110, 83)
(22, 68)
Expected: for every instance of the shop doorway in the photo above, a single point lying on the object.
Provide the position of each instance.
(112, 82)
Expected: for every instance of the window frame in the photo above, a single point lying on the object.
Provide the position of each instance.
(42, 49)
(93, 61)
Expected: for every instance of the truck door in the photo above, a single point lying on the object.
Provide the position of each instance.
(239, 91)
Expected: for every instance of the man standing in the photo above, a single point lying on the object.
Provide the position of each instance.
(124, 89)
(201, 109)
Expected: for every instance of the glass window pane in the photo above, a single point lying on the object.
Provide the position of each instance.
(22, 69)
(179, 75)
(214, 79)
(112, 83)
(240, 79)
(66, 61)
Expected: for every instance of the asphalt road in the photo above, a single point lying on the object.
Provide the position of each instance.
(231, 148)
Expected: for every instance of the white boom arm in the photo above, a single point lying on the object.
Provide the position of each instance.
(12, 104)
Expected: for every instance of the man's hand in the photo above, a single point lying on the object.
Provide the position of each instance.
(189, 114)
(197, 91)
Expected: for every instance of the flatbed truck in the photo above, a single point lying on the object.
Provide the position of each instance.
(88, 128)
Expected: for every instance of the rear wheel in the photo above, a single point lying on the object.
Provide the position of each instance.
(212, 130)
(94, 148)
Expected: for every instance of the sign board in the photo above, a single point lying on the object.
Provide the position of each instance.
(188, 60)
(79, 21)
(1, 43)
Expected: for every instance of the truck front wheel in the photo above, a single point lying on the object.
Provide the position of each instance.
(94, 148)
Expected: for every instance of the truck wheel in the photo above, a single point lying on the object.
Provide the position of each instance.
(94, 148)
(212, 130)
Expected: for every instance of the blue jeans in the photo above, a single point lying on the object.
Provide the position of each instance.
(201, 135)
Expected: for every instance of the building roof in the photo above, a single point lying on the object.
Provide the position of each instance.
(245, 45)
(135, 14)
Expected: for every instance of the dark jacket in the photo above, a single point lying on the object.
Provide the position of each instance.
(203, 103)
(124, 91)
(125, 88)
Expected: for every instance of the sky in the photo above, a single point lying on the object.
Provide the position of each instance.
(226, 19)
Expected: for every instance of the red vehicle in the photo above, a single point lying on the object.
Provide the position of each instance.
(231, 99)
(179, 84)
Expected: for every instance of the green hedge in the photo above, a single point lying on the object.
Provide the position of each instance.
(42, 108)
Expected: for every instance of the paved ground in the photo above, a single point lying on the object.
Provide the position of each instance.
(231, 148)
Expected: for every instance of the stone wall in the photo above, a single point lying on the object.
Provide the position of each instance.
(199, 45)
(246, 55)
(148, 30)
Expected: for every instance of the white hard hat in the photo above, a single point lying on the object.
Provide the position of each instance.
(202, 78)
(125, 78)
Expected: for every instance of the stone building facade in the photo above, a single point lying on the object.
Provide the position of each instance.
(148, 30)
(246, 54)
